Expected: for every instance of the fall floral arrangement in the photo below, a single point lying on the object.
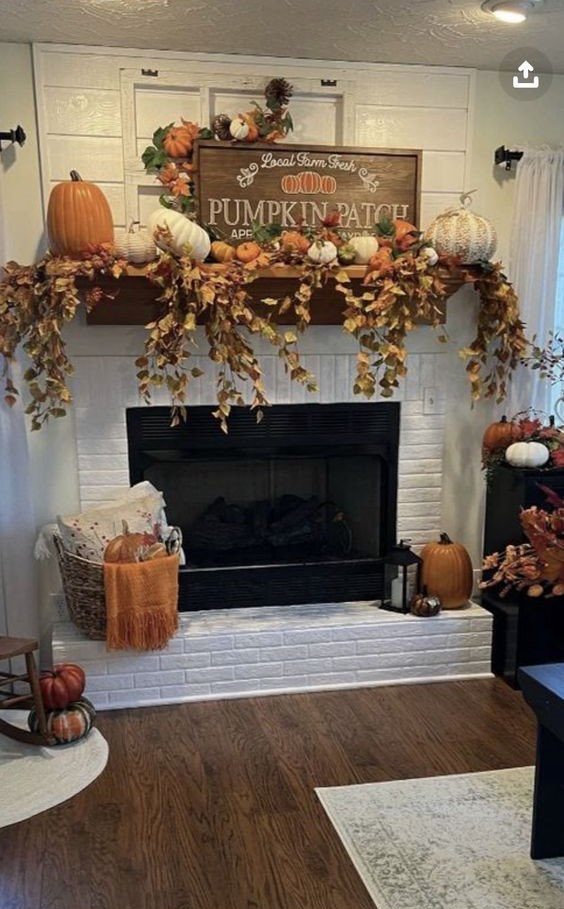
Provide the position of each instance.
(535, 567)
(171, 153)
(522, 428)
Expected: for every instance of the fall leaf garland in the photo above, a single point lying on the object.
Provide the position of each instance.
(36, 302)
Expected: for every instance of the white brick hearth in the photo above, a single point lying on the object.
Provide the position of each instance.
(244, 652)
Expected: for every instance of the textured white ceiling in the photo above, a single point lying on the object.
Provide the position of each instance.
(440, 32)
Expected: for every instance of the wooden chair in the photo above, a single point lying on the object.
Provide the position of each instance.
(15, 647)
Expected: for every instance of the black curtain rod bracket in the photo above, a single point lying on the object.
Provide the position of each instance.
(13, 135)
(502, 155)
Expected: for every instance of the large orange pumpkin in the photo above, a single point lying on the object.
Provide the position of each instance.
(78, 216)
(446, 572)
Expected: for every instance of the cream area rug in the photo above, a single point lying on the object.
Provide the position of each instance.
(33, 778)
(450, 842)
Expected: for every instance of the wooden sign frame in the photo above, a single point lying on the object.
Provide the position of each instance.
(238, 184)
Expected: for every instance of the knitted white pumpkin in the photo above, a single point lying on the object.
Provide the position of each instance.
(135, 244)
(174, 233)
(462, 233)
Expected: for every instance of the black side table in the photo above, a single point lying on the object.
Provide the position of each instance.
(543, 689)
(526, 631)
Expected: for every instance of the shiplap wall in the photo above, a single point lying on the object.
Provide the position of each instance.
(96, 113)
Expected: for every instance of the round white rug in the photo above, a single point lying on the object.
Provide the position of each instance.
(33, 778)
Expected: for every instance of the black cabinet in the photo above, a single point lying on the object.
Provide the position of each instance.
(526, 630)
(509, 490)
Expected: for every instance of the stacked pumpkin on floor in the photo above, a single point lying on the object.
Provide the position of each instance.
(70, 716)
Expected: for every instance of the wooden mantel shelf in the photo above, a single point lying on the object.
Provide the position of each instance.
(134, 297)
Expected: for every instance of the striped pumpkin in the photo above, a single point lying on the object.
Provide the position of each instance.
(462, 233)
(68, 724)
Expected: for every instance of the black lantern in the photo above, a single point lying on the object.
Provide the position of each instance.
(396, 570)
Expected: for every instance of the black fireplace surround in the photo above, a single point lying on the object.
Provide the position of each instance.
(299, 508)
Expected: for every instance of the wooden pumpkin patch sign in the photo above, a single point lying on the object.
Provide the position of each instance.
(240, 185)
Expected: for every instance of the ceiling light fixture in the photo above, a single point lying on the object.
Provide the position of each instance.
(513, 11)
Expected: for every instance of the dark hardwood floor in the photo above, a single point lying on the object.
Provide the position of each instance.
(211, 805)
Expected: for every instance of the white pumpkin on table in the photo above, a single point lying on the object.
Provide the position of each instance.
(177, 234)
(462, 233)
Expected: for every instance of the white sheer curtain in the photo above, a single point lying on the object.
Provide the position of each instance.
(534, 258)
(18, 589)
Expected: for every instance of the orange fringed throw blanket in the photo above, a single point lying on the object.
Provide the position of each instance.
(141, 603)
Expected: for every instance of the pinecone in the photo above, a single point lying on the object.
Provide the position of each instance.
(277, 93)
(220, 126)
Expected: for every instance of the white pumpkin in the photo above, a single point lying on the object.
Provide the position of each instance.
(322, 251)
(462, 233)
(175, 233)
(239, 129)
(135, 244)
(364, 248)
(430, 254)
(527, 454)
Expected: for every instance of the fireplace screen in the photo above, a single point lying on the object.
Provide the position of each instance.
(300, 508)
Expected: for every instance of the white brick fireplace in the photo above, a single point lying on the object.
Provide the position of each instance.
(229, 653)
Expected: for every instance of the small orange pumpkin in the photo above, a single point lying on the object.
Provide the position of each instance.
(222, 251)
(247, 251)
(178, 142)
(498, 436)
(446, 572)
(78, 217)
(125, 547)
(294, 241)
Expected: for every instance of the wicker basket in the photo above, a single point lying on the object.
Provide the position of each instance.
(83, 586)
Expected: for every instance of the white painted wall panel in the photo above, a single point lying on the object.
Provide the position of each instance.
(434, 203)
(95, 158)
(426, 128)
(416, 89)
(82, 112)
(64, 69)
(443, 171)
(162, 105)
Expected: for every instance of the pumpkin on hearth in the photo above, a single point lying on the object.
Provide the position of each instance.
(446, 572)
(462, 233)
(177, 234)
(61, 685)
(68, 724)
(125, 547)
(135, 244)
(78, 217)
(527, 454)
(424, 605)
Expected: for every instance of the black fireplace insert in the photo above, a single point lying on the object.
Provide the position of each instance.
(299, 508)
